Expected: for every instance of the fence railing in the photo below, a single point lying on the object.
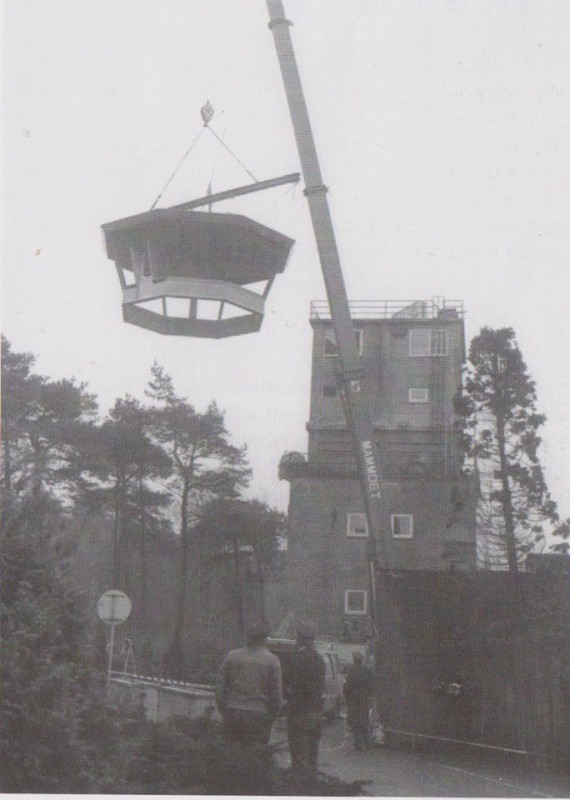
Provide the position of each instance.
(436, 308)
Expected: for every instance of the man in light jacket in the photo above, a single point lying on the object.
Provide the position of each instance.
(249, 691)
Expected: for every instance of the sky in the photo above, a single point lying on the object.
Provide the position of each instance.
(443, 134)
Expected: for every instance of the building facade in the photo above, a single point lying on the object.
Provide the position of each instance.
(413, 354)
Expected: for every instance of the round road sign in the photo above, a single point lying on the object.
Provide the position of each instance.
(113, 607)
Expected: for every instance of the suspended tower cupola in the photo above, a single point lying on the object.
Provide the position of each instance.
(197, 273)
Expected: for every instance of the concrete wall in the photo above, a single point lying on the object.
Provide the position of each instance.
(324, 561)
(161, 701)
(503, 639)
(392, 372)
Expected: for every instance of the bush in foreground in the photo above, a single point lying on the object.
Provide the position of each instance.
(185, 756)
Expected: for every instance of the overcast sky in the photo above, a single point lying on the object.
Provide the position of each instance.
(443, 133)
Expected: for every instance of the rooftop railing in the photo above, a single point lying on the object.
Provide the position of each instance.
(436, 308)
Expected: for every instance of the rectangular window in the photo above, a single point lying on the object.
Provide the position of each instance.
(418, 395)
(355, 601)
(331, 347)
(402, 526)
(427, 342)
(329, 391)
(356, 524)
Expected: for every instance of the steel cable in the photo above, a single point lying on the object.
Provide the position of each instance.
(183, 159)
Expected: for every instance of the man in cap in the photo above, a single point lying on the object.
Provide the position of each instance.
(249, 689)
(304, 694)
(358, 692)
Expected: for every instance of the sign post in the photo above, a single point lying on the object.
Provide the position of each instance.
(113, 607)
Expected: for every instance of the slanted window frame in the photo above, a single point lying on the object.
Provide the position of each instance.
(352, 612)
(409, 518)
(330, 339)
(351, 525)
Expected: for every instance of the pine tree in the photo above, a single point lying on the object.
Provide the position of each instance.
(121, 469)
(205, 464)
(47, 684)
(243, 536)
(498, 406)
(42, 423)
(15, 376)
(562, 532)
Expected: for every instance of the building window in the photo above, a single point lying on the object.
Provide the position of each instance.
(356, 524)
(355, 601)
(438, 344)
(329, 391)
(427, 342)
(402, 526)
(418, 395)
(331, 347)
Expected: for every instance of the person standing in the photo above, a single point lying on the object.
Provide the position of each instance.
(249, 692)
(304, 694)
(358, 693)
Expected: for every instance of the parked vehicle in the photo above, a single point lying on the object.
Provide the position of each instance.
(334, 681)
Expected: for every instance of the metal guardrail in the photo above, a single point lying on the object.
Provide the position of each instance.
(437, 308)
(164, 697)
(149, 680)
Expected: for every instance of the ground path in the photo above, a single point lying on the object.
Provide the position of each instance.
(401, 773)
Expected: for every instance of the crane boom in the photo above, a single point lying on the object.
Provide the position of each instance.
(351, 374)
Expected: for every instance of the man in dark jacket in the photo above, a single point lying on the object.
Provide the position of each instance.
(304, 694)
(358, 693)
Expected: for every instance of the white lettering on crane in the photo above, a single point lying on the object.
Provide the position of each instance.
(371, 472)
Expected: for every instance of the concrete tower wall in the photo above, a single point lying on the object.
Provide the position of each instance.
(413, 356)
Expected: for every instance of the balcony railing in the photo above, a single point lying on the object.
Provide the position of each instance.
(344, 466)
(436, 308)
